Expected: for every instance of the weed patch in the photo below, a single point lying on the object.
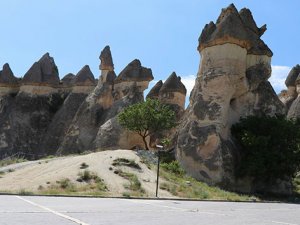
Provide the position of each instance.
(134, 185)
(181, 185)
(11, 160)
(126, 162)
(84, 165)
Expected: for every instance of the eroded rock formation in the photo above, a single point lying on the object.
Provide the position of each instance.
(42, 115)
(96, 117)
(232, 82)
(9, 84)
(172, 93)
(290, 97)
(26, 115)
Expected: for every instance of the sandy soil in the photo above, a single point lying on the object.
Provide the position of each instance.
(29, 176)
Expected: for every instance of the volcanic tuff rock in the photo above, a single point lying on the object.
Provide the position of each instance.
(231, 83)
(7, 77)
(82, 83)
(291, 96)
(110, 134)
(9, 84)
(48, 116)
(172, 92)
(43, 71)
(154, 92)
(84, 77)
(25, 116)
(106, 59)
(68, 80)
(96, 117)
(133, 73)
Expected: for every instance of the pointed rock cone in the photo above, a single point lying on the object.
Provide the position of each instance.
(173, 84)
(85, 77)
(154, 92)
(7, 76)
(43, 71)
(106, 59)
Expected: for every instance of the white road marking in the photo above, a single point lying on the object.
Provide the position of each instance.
(278, 222)
(54, 212)
(176, 208)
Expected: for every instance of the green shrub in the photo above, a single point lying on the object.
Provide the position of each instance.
(65, 183)
(173, 167)
(86, 176)
(126, 162)
(134, 183)
(147, 118)
(270, 147)
(84, 165)
(11, 160)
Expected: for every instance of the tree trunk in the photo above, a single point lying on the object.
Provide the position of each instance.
(145, 142)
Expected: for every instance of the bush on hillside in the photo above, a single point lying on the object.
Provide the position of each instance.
(270, 147)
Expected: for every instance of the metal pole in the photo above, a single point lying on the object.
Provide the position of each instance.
(157, 177)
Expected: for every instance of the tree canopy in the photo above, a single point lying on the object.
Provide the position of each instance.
(270, 147)
(146, 118)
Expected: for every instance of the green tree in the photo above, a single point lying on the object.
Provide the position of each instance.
(270, 147)
(146, 118)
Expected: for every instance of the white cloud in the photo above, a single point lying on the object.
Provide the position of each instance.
(189, 82)
(277, 79)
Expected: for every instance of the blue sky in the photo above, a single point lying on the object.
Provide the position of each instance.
(163, 34)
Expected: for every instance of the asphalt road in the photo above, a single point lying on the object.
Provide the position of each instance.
(20, 210)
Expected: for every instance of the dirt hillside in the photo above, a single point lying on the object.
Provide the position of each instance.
(34, 175)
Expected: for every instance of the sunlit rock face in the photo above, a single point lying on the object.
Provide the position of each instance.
(232, 82)
(128, 89)
(291, 96)
(95, 125)
(133, 73)
(42, 115)
(42, 77)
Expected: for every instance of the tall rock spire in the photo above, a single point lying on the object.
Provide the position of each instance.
(232, 82)
(106, 59)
